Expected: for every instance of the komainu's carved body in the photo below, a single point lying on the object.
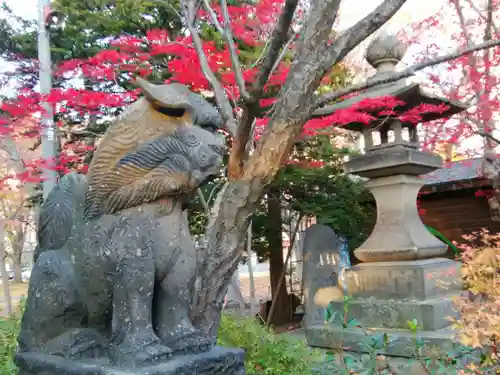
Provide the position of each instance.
(115, 263)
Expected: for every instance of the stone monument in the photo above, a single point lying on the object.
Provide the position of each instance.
(321, 261)
(112, 285)
(404, 270)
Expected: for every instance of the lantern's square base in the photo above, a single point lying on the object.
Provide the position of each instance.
(218, 361)
(400, 343)
(388, 295)
(430, 314)
(419, 280)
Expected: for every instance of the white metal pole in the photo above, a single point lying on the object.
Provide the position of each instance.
(49, 141)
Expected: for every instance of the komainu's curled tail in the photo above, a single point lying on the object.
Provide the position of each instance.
(60, 211)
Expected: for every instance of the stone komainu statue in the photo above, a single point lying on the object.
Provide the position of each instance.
(115, 261)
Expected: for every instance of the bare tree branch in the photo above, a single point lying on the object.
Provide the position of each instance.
(489, 123)
(468, 40)
(282, 54)
(280, 35)
(489, 20)
(203, 201)
(294, 104)
(225, 31)
(213, 16)
(476, 9)
(489, 136)
(356, 34)
(222, 101)
(463, 23)
(262, 54)
(408, 72)
(233, 52)
(483, 125)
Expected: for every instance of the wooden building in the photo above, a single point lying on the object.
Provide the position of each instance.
(451, 200)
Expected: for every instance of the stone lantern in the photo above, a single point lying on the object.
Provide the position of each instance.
(403, 269)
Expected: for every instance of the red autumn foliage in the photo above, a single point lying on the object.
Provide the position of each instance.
(251, 25)
(470, 78)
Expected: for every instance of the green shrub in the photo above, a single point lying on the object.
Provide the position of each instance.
(266, 352)
(9, 328)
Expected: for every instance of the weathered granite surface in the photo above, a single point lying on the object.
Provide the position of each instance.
(399, 234)
(420, 280)
(320, 254)
(115, 264)
(219, 360)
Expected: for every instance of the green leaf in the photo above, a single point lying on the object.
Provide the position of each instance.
(329, 314)
(353, 323)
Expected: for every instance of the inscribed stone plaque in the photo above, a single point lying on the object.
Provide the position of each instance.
(320, 269)
(418, 279)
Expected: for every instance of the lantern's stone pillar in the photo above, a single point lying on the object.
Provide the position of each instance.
(399, 233)
(398, 215)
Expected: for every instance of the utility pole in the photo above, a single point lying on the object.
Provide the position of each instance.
(49, 139)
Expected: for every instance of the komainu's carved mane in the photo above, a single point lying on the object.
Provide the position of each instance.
(129, 165)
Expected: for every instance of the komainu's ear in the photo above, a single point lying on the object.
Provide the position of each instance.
(171, 99)
(175, 99)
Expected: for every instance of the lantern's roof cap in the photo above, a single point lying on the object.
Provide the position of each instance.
(384, 53)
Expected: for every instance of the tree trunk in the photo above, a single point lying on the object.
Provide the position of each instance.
(274, 233)
(7, 300)
(238, 199)
(17, 244)
(90, 140)
(253, 301)
(225, 240)
(18, 277)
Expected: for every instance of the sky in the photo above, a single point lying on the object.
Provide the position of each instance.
(412, 11)
(24, 8)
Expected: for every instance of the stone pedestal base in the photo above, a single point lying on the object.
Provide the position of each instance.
(218, 361)
(401, 343)
(388, 295)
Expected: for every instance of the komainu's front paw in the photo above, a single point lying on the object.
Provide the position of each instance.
(137, 350)
(190, 341)
(78, 344)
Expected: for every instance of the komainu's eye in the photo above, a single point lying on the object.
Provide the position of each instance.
(169, 111)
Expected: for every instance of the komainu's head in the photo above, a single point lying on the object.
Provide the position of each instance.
(164, 145)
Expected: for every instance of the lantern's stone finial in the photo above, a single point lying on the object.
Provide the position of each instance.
(385, 52)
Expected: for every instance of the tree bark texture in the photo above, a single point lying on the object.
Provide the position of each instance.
(17, 243)
(274, 234)
(7, 299)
